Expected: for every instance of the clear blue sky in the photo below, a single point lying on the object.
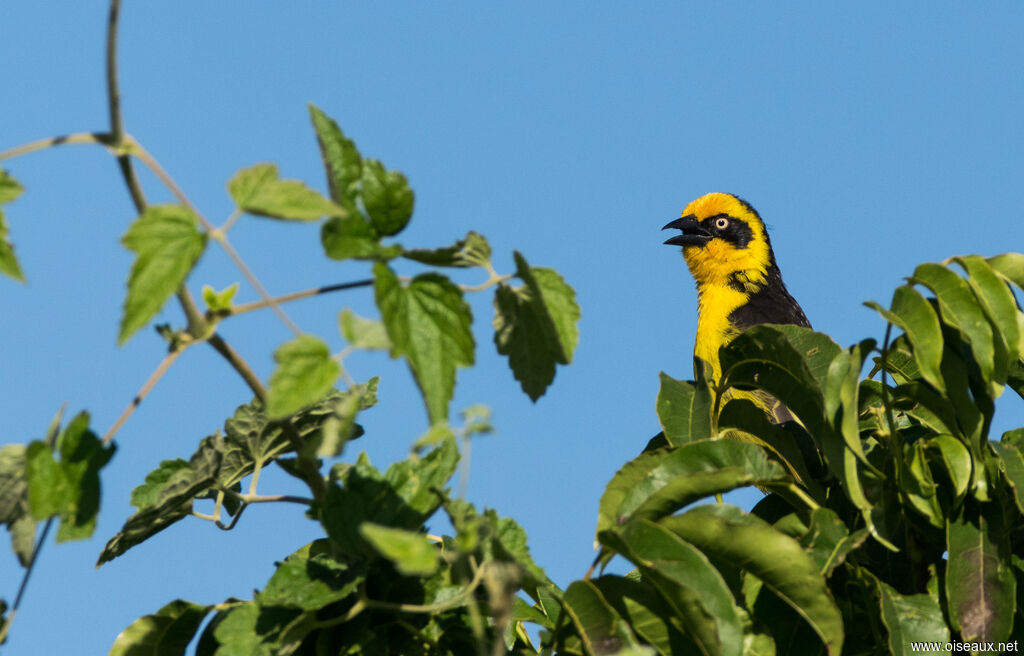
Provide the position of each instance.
(870, 139)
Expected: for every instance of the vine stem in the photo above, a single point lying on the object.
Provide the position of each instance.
(24, 580)
(157, 374)
(43, 144)
(295, 296)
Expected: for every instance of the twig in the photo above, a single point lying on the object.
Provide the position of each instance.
(124, 161)
(24, 579)
(157, 374)
(239, 365)
(295, 296)
(43, 144)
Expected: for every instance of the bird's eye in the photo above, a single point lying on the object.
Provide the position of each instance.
(721, 223)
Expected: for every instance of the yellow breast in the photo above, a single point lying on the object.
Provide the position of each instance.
(714, 305)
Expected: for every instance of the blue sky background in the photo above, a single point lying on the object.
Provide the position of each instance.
(870, 140)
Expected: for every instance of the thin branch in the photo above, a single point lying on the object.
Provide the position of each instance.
(223, 229)
(157, 374)
(269, 498)
(295, 296)
(239, 365)
(24, 579)
(42, 144)
(490, 282)
(124, 161)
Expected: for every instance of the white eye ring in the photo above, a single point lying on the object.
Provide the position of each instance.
(722, 223)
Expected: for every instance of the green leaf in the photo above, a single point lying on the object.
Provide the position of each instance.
(429, 323)
(48, 488)
(726, 534)
(341, 159)
(82, 457)
(167, 244)
(1011, 463)
(997, 301)
(164, 633)
(412, 553)
(911, 618)
(387, 197)
(305, 372)
(403, 497)
(9, 190)
(173, 492)
(1008, 265)
(363, 333)
(684, 410)
(259, 190)
(472, 250)
(309, 582)
(14, 506)
(352, 237)
(960, 308)
(828, 540)
(918, 485)
(658, 483)
(980, 585)
(599, 626)
(535, 325)
(646, 612)
(696, 591)
(218, 301)
(956, 461)
(916, 316)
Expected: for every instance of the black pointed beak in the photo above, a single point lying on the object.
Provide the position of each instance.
(694, 233)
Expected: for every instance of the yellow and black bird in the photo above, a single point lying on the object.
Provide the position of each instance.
(726, 246)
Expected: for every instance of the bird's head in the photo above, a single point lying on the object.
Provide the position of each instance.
(722, 235)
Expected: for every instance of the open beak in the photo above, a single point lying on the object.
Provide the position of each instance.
(694, 233)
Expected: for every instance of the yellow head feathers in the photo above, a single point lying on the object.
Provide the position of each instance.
(723, 238)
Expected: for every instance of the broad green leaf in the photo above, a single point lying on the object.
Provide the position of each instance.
(14, 508)
(816, 349)
(9, 190)
(510, 545)
(472, 250)
(82, 457)
(828, 540)
(49, 491)
(658, 483)
(1011, 463)
(763, 357)
(260, 191)
(403, 497)
(535, 325)
(412, 553)
(684, 410)
(687, 580)
(599, 626)
(309, 582)
(791, 445)
(928, 408)
(352, 237)
(173, 497)
(147, 494)
(842, 387)
(305, 372)
(341, 159)
(910, 618)
(234, 632)
(997, 301)
(916, 316)
(1008, 265)
(918, 486)
(960, 308)
(956, 461)
(219, 301)
(980, 587)
(363, 333)
(646, 612)
(727, 534)
(387, 197)
(428, 322)
(167, 244)
(164, 633)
